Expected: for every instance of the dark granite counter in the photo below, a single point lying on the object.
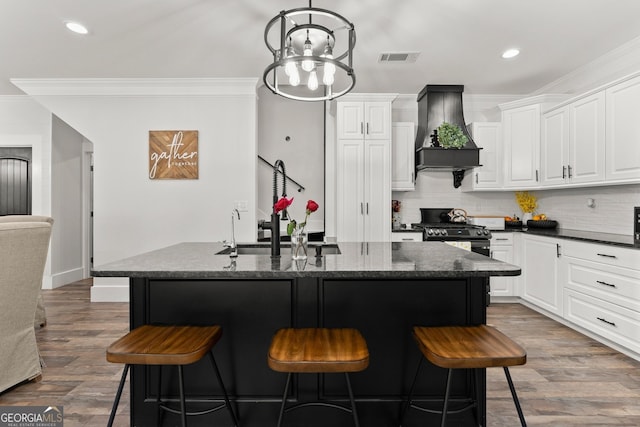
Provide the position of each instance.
(406, 260)
(585, 236)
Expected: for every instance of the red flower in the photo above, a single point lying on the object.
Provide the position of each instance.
(282, 204)
(311, 206)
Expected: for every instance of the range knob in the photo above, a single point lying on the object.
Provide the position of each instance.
(486, 232)
(443, 232)
(430, 232)
(479, 232)
(437, 232)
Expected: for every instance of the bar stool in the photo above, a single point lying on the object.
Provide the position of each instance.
(466, 347)
(168, 345)
(318, 350)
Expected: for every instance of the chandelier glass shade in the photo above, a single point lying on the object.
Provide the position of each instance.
(312, 52)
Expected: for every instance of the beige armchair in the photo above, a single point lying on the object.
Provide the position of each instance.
(23, 254)
(41, 313)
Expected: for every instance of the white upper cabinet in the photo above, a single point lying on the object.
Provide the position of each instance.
(369, 120)
(623, 131)
(521, 136)
(488, 136)
(572, 147)
(403, 137)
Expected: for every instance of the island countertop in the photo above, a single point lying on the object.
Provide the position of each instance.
(399, 260)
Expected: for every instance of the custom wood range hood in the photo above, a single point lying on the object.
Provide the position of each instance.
(438, 104)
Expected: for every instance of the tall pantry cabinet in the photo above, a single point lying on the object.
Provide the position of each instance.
(363, 170)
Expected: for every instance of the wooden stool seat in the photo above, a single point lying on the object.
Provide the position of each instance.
(315, 351)
(164, 345)
(168, 345)
(318, 350)
(467, 347)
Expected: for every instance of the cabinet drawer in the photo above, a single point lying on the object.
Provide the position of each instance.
(406, 236)
(501, 239)
(617, 285)
(611, 255)
(613, 322)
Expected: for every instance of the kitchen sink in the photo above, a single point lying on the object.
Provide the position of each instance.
(265, 249)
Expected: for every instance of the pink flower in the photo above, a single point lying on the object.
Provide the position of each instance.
(311, 207)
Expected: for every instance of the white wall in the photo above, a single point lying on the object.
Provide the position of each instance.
(133, 214)
(66, 203)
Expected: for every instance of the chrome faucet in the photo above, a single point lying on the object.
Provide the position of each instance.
(234, 247)
(274, 224)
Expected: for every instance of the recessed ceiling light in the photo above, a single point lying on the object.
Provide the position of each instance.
(510, 53)
(76, 27)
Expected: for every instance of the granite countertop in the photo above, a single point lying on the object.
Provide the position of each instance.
(586, 236)
(406, 260)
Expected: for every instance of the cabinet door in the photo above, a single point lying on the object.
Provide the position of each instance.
(350, 187)
(587, 147)
(403, 156)
(488, 136)
(539, 270)
(377, 118)
(350, 120)
(377, 191)
(521, 131)
(554, 147)
(623, 131)
(502, 286)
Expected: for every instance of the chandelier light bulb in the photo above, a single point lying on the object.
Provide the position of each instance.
(312, 84)
(294, 78)
(307, 65)
(290, 68)
(328, 77)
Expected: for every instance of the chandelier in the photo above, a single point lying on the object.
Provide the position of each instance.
(311, 47)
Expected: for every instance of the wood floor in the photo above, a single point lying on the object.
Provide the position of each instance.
(569, 379)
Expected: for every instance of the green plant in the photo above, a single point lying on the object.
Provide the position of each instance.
(451, 136)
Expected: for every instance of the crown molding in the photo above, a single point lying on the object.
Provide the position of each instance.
(138, 86)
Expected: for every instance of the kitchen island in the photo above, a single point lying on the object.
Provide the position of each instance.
(382, 289)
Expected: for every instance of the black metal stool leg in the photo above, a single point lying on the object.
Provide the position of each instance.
(446, 399)
(183, 405)
(224, 390)
(515, 397)
(159, 410)
(284, 399)
(353, 402)
(118, 394)
(407, 405)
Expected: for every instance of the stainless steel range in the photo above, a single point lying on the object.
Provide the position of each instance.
(436, 226)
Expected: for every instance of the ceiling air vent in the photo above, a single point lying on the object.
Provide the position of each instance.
(397, 57)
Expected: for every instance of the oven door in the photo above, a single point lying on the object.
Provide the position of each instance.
(481, 247)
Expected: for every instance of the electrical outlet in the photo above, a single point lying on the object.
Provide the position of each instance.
(241, 205)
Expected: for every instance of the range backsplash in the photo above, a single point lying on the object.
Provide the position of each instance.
(612, 211)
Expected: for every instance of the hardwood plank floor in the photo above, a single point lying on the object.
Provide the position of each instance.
(569, 379)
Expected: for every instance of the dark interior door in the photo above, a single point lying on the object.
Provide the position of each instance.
(15, 181)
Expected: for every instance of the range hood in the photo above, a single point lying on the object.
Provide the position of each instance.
(438, 104)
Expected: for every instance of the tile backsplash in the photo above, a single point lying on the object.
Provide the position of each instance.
(612, 210)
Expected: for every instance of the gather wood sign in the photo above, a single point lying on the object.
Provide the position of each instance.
(173, 154)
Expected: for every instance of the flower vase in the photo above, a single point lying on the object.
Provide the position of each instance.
(526, 217)
(299, 243)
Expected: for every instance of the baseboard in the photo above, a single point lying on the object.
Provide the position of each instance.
(110, 289)
(65, 277)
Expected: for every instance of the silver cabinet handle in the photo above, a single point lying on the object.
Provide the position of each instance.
(362, 128)
(558, 254)
(606, 284)
(500, 239)
(537, 175)
(564, 172)
(367, 208)
(476, 177)
(569, 169)
(361, 208)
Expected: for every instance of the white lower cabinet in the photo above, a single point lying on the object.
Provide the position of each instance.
(540, 259)
(502, 250)
(406, 236)
(602, 291)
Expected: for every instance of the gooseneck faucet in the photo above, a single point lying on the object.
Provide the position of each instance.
(274, 224)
